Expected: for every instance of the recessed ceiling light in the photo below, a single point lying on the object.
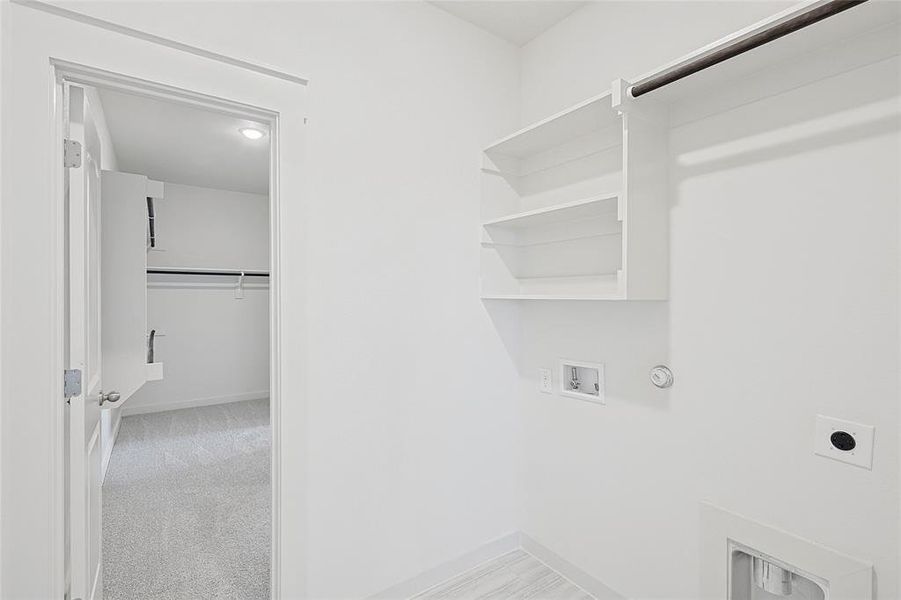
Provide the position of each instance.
(251, 133)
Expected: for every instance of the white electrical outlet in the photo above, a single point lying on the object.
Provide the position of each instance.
(545, 381)
(845, 441)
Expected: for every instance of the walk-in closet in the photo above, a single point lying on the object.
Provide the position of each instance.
(186, 496)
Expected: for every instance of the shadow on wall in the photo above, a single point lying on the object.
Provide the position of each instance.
(838, 110)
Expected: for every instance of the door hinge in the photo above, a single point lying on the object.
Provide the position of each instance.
(71, 383)
(71, 154)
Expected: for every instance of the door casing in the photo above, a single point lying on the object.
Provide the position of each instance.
(67, 73)
(60, 51)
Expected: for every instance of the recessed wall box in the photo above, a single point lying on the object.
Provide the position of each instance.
(582, 380)
(755, 576)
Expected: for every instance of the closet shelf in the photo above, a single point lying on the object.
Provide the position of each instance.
(154, 371)
(578, 121)
(575, 238)
(604, 237)
(614, 141)
(587, 208)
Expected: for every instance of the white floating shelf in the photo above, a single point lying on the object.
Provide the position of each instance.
(575, 210)
(592, 115)
(154, 371)
(562, 240)
(582, 241)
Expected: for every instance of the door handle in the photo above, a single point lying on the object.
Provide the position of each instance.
(109, 397)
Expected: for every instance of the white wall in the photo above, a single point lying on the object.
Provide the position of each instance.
(784, 304)
(580, 56)
(214, 347)
(409, 383)
(412, 433)
(215, 229)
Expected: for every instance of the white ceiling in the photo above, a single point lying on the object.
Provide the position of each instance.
(173, 142)
(517, 21)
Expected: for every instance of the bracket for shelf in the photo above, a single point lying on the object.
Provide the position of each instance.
(239, 287)
(620, 96)
(648, 109)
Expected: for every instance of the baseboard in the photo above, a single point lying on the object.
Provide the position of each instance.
(451, 568)
(141, 409)
(568, 570)
(490, 551)
(108, 455)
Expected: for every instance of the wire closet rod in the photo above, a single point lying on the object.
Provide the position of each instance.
(814, 15)
(219, 272)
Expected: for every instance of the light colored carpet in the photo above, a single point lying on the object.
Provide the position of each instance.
(186, 505)
(517, 575)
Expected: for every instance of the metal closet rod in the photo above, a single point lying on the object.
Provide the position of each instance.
(770, 34)
(207, 272)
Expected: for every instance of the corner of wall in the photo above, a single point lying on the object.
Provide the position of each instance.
(572, 572)
(108, 159)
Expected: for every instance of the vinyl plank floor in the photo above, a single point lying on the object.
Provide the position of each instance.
(514, 576)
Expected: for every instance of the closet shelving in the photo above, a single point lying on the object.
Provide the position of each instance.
(568, 211)
(574, 206)
(155, 190)
(546, 231)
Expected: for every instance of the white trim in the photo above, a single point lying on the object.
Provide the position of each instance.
(488, 552)
(569, 570)
(446, 571)
(143, 409)
(96, 77)
(59, 342)
(162, 41)
(98, 574)
(63, 71)
(3, 35)
(112, 445)
(276, 300)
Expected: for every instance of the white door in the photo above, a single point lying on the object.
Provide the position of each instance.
(84, 516)
(124, 274)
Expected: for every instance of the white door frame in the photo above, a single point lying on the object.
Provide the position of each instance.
(68, 73)
(51, 52)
